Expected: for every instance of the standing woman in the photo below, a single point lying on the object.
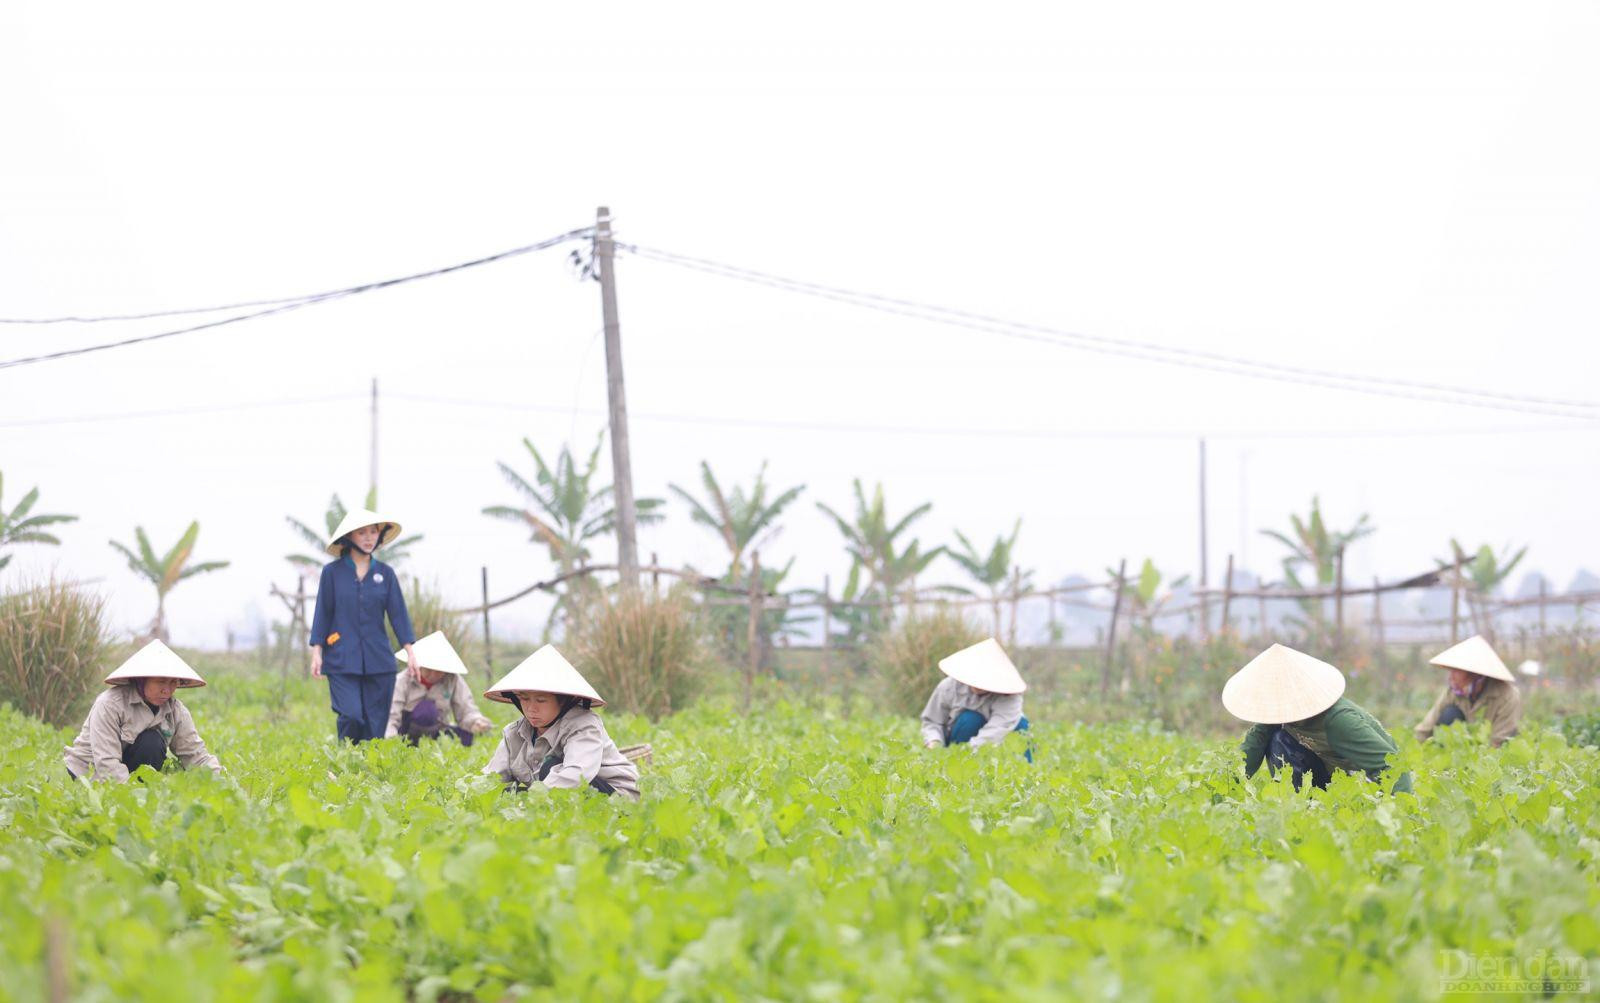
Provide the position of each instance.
(348, 642)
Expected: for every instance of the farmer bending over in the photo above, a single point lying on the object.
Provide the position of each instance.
(138, 719)
(979, 702)
(440, 681)
(559, 740)
(1302, 720)
(1480, 688)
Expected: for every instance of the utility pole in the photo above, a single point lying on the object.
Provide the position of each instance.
(1205, 605)
(372, 479)
(621, 467)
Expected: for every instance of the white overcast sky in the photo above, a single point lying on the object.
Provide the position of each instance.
(1409, 191)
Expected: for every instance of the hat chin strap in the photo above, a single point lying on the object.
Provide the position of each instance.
(350, 541)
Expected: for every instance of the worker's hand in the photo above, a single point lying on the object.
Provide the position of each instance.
(931, 744)
(316, 661)
(480, 726)
(411, 664)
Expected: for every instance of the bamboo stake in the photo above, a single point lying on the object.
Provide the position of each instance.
(1111, 632)
(753, 630)
(1227, 594)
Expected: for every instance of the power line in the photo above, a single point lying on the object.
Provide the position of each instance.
(177, 411)
(1186, 435)
(1144, 351)
(297, 304)
(247, 304)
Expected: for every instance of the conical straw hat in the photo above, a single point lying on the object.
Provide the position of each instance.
(547, 672)
(434, 652)
(155, 661)
(984, 666)
(1475, 656)
(354, 520)
(1282, 685)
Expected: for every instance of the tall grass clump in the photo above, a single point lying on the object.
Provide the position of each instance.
(904, 660)
(426, 605)
(54, 649)
(644, 653)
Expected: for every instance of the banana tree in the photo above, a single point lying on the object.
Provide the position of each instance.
(167, 571)
(17, 526)
(394, 552)
(564, 512)
(1483, 575)
(744, 522)
(872, 539)
(995, 571)
(1314, 546)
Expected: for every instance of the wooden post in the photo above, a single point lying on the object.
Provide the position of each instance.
(57, 958)
(1227, 594)
(1261, 612)
(298, 622)
(827, 626)
(1055, 624)
(1543, 591)
(753, 631)
(1111, 632)
(372, 471)
(1380, 649)
(1455, 596)
(1016, 600)
(621, 463)
(1338, 601)
(655, 574)
(488, 641)
(1205, 606)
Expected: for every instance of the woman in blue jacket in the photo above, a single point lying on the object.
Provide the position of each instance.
(348, 642)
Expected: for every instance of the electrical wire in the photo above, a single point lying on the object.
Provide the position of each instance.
(297, 304)
(1143, 351)
(1187, 435)
(177, 412)
(247, 304)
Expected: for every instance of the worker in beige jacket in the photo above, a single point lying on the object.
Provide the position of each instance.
(559, 740)
(1480, 688)
(138, 720)
(420, 697)
(979, 702)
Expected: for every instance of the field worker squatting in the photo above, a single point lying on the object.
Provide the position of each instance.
(348, 642)
(1302, 720)
(559, 740)
(979, 702)
(137, 720)
(420, 698)
(1480, 688)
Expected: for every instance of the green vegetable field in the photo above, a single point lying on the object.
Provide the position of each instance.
(792, 854)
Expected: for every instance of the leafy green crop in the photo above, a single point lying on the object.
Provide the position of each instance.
(790, 854)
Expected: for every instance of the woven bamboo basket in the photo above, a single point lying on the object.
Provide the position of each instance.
(640, 754)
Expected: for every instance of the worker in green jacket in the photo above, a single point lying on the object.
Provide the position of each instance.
(1303, 721)
(1480, 688)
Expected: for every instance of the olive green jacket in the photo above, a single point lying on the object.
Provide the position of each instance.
(1345, 736)
(116, 718)
(1499, 703)
(579, 738)
(452, 690)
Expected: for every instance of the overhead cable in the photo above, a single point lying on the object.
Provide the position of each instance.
(1144, 351)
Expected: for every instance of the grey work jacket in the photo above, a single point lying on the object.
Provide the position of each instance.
(579, 738)
(1498, 702)
(951, 697)
(116, 718)
(452, 690)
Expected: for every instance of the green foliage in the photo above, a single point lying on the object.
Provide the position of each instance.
(1314, 545)
(17, 526)
(742, 521)
(54, 649)
(994, 570)
(904, 661)
(166, 571)
(785, 854)
(873, 540)
(1486, 571)
(644, 653)
(565, 512)
(395, 552)
(1582, 729)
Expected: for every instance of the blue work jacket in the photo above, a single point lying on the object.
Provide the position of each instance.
(348, 620)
